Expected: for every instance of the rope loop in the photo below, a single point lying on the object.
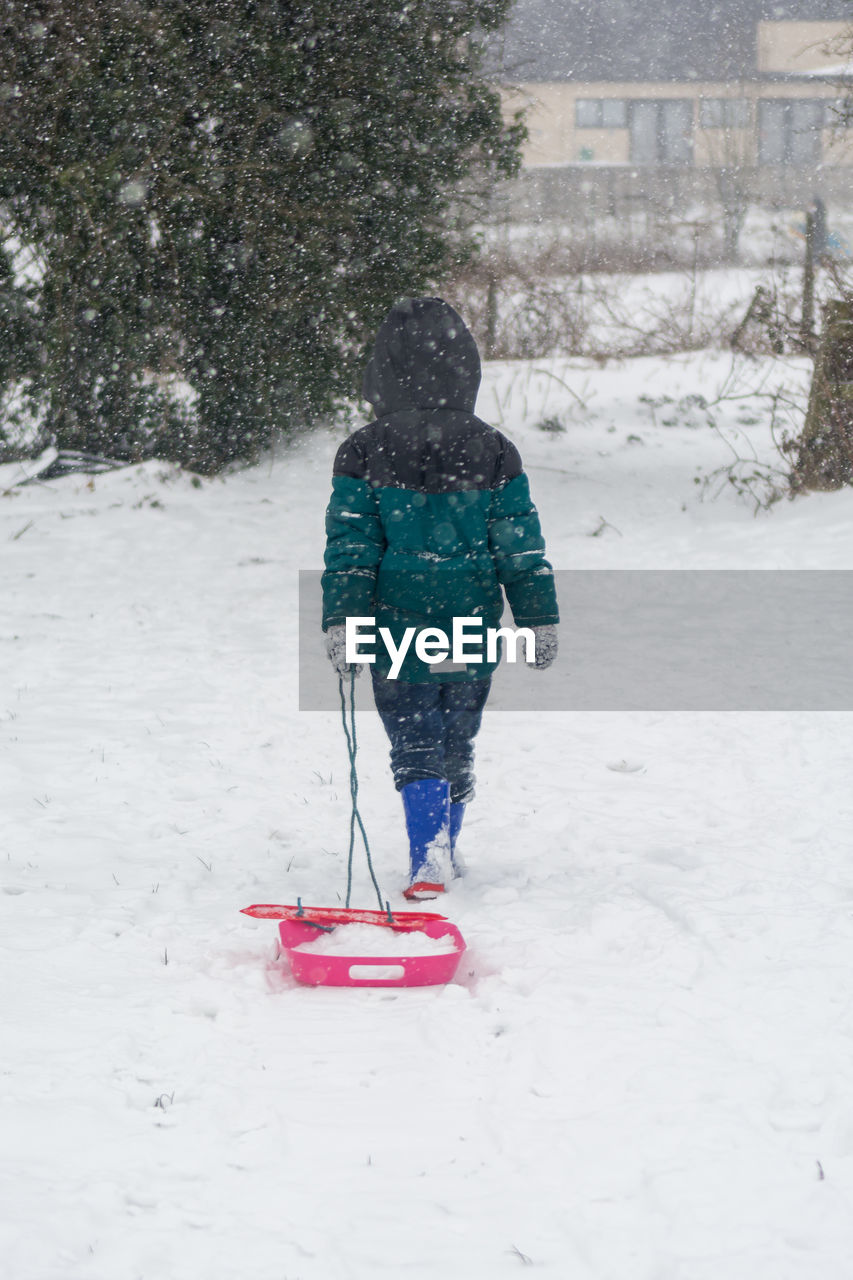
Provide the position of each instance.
(355, 816)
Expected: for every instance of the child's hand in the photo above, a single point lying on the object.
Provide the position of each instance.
(336, 649)
(546, 645)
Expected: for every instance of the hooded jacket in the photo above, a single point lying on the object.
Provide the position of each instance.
(430, 516)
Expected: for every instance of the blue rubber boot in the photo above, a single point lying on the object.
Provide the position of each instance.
(457, 813)
(426, 804)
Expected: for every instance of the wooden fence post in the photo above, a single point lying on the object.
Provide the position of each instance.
(807, 317)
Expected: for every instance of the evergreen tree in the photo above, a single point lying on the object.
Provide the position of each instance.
(229, 195)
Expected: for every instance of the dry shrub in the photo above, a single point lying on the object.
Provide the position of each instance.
(528, 301)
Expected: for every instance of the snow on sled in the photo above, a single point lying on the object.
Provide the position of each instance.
(351, 947)
(358, 947)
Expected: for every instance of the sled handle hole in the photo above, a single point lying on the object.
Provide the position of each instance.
(374, 972)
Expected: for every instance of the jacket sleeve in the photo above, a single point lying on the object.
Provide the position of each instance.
(355, 542)
(518, 552)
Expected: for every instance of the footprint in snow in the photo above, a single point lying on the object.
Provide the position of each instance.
(626, 766)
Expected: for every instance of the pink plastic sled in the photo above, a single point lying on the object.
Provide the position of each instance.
(302, 924)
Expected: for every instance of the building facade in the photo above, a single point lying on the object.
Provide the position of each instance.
(770, 108)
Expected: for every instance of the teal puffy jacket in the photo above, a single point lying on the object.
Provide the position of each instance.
(431, 516)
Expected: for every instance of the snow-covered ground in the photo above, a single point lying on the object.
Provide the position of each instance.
(643, 1069)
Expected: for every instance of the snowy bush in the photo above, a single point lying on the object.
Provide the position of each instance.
(227, 196)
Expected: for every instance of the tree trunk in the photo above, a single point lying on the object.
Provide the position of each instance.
(824, 451)
(491, 318)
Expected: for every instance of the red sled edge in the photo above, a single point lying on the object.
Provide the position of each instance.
(400, 920)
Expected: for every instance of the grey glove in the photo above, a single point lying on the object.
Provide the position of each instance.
(545, 647)
(336, 649)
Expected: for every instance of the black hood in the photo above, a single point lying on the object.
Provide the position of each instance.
(424, 358)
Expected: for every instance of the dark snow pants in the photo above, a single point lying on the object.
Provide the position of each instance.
(432, 728)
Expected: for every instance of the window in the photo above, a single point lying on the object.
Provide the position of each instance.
(662, 132)
(614, 113)
(723, 113)
(601, 113)
(789, 131)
